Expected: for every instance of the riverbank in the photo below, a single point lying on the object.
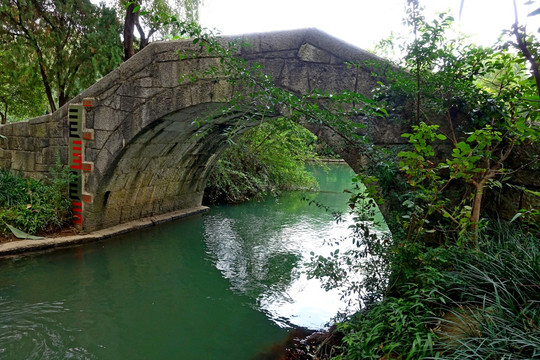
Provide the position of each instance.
(60, 240)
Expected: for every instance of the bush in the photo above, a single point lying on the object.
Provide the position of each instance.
(394, 328)
(457, 304)
(265, 160)
(34, 206)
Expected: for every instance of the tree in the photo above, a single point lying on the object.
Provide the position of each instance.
(20, 90)
(149, 17)
(73, 42)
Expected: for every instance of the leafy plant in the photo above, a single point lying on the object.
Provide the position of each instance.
(394, 328)
(34, 206)
(473, 108)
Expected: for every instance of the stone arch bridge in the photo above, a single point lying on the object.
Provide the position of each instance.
(133, 136)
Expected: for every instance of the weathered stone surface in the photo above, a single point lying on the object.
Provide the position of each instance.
(310, 53)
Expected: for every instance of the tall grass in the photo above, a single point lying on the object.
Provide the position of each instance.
(494, 293)
(457, 303)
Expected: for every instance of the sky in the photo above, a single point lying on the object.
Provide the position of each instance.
(359, 22)
(362, 23)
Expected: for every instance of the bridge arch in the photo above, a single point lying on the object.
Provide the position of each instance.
(151, 158)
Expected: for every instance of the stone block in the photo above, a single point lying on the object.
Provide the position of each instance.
(275, 41)
(128, 103)
(20, 129)
(44, 169)
(168, 75)
(310, 53)
(114, 143)
(29, 144)
(331, 78)
(182, 96)
(45, 119)
(23, 161)
(39, 130)
(294, 77)
(111, 216)
(202, 92)
(58, 130)
(106, 118)
(43, 143)
(162, 104)
(5, 163)
(102, 161)
(51, 154)
(6, 130)
(111, 98)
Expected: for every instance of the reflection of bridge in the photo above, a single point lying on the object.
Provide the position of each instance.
(136, 142)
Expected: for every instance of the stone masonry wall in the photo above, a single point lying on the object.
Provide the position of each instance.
(33, 147)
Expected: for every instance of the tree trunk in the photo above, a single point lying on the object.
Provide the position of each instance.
(4, 115)
(129, 30)
(62, 98)
(476, 210)
(45, 78)
(47, 86)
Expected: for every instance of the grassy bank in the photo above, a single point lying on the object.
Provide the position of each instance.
(456, 304)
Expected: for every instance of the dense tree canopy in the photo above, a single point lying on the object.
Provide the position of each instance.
(72, 42)
(21, 93)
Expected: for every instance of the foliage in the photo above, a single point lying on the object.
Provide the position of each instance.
(21, 96)
(484, 104)
(149, 17)
(268, 158)
(395, 328)
(34, 206)
(72, 42)
(457, 303)
(473, 107)
(493, 309)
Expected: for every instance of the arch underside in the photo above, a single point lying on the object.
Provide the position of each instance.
(164, 168)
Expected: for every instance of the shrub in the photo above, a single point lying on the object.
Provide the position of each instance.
(267, 159)
(34, 206)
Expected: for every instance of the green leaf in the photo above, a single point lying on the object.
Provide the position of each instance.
(518, 215)
(21, 234)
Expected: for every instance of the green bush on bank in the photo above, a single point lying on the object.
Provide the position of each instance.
(34, 206)
(459, 304)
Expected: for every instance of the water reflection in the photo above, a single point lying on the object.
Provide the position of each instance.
(170, 293)
(261, 249)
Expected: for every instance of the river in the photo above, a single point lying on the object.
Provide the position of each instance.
(224, 285)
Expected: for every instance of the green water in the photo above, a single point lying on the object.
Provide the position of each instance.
(225, 285)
